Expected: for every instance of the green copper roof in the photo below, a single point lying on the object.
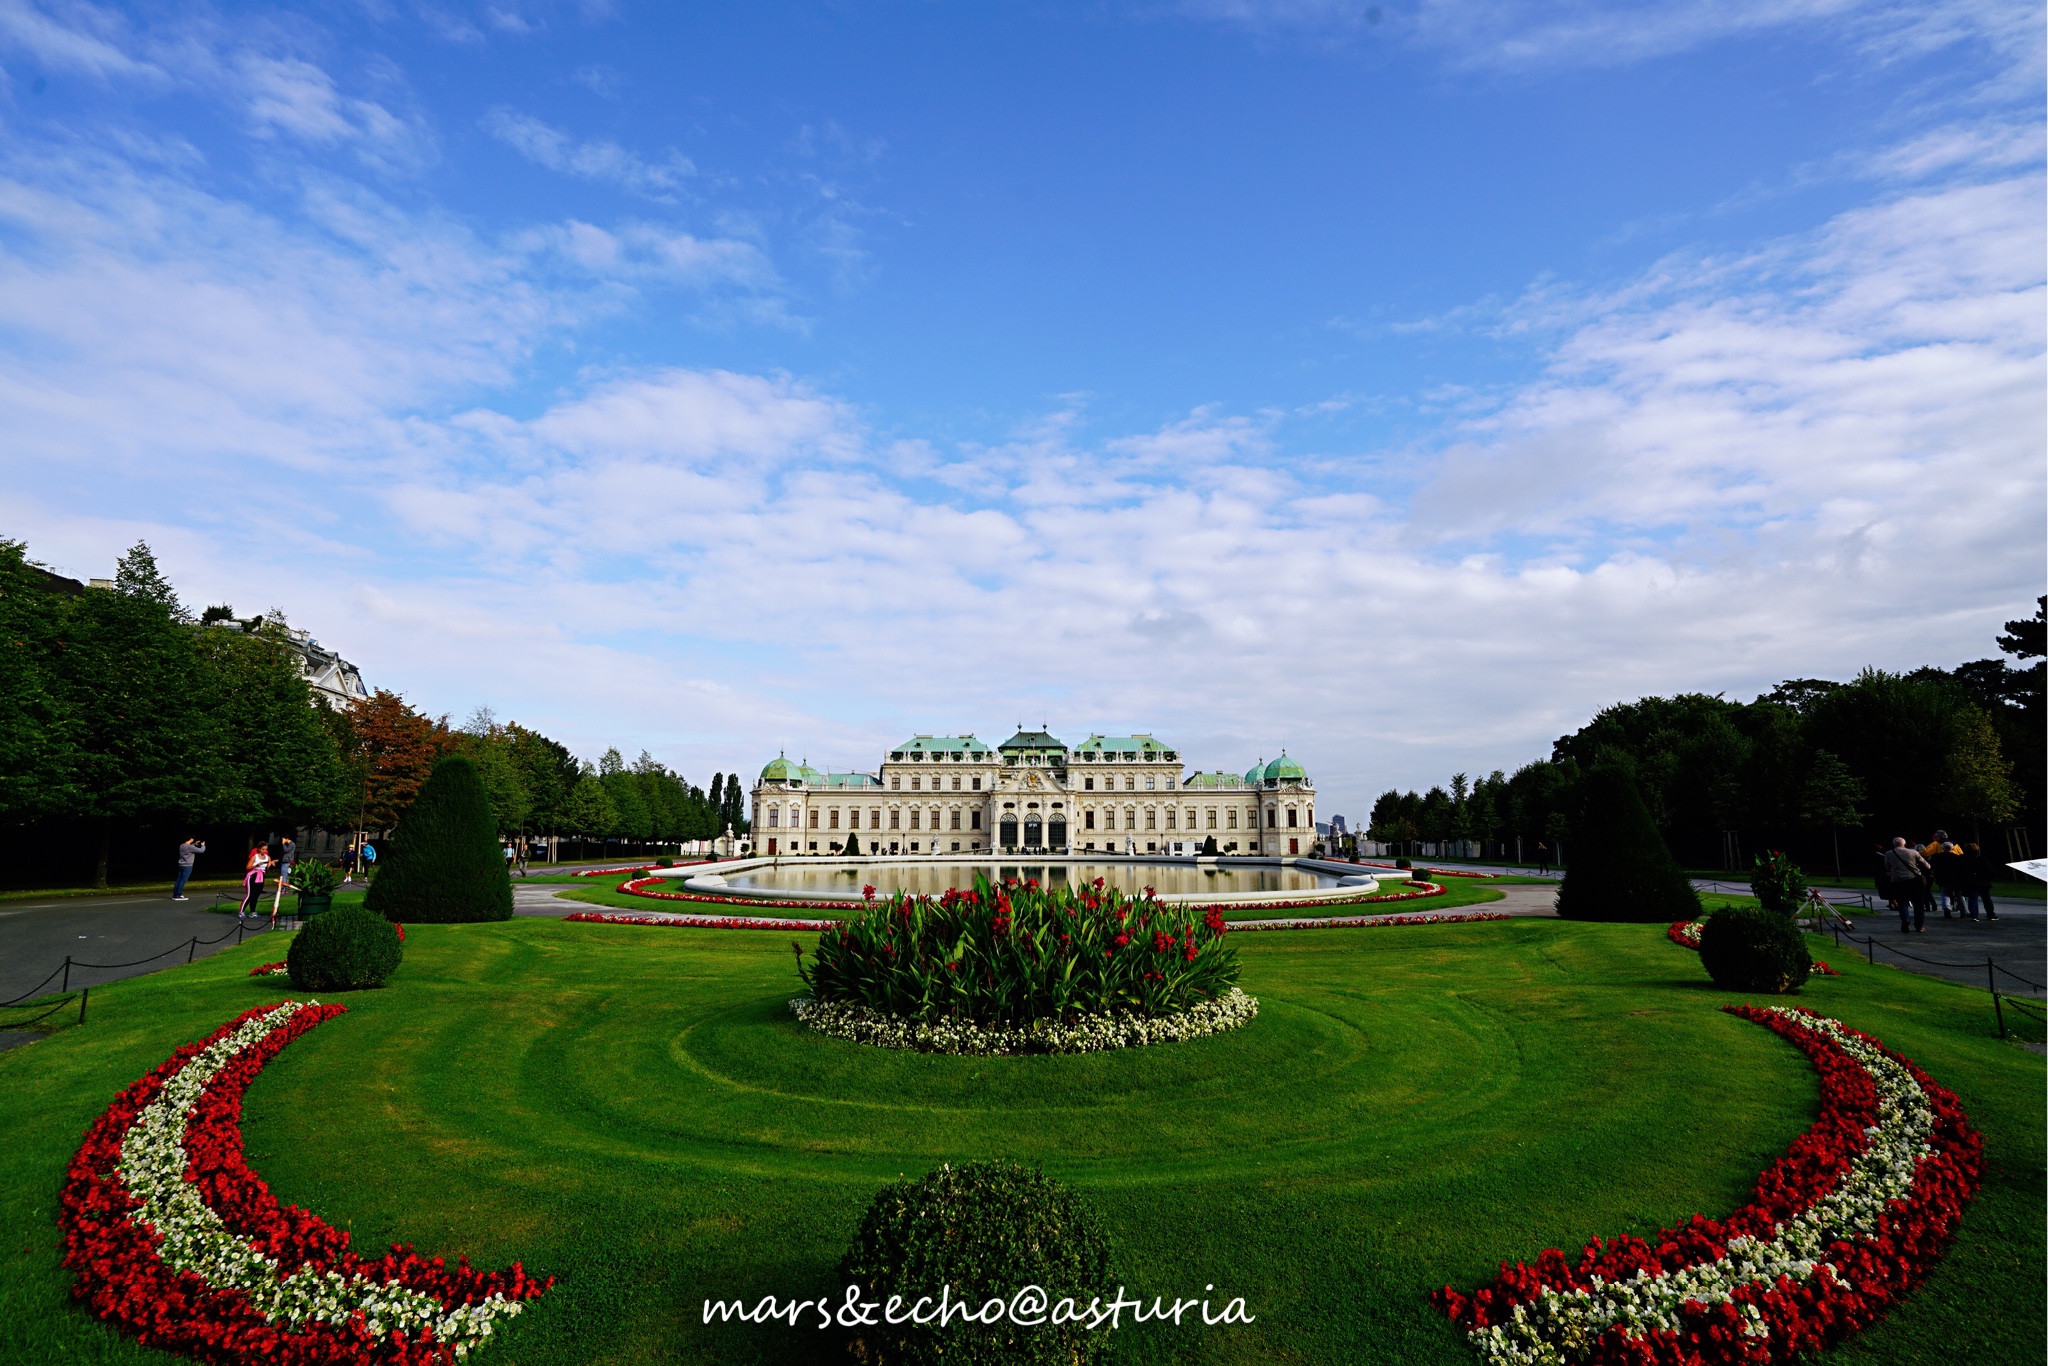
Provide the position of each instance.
(847, 780)
(1032, 739)
(940, 744)
(1256, 774)
(1120, 744)
(1285, 769)
(779, 770)
(1216, 779)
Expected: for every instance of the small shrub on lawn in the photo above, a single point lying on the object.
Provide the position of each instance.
(664, 863)
(987, 1230)
(1403, 863)
(1747, 948)
(343, 950)
(1007, 956)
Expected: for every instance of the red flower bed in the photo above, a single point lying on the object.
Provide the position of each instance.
(640, 886)
(1707, 1292)
(115, 1251)
(268, 969)
(1360, 922)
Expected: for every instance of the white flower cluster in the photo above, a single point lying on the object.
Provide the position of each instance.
(193, 1238)
(1089, 1034)
(1560, 1324)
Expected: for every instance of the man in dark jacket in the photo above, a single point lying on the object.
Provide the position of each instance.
(1946, 861)
(1977, 871)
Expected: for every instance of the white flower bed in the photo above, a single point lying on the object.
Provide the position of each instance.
(1559, 1324)
(192, 1237)
(1090, 1034)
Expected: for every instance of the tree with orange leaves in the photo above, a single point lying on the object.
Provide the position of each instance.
(393, 750)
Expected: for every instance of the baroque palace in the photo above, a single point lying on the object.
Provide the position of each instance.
(953, 794)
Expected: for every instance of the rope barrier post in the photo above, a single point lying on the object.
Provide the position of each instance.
(1991, 972)
(192, 948)
(83, 996)
(1872, 942)
(67, 974)
(238, 934)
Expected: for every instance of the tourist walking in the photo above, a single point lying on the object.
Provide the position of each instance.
(1542, 858)
(188, 854)
(287, 854)
(252, 882)
(1977, 871)
(1905, 870)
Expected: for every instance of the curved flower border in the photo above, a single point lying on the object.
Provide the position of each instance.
(640, 887)
(173, 1237)
(696, 922)
(1686, 934)
(1086, 1034)
(1839, 1229)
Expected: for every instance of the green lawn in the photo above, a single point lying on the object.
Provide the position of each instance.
(634, 1111)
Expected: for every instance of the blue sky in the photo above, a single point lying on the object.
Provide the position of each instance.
(1395, 383)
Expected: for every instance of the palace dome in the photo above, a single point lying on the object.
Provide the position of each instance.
(779, 770)
(1284, 769)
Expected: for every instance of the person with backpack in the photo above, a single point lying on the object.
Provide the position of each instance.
(1905, 870)
(1945, 864)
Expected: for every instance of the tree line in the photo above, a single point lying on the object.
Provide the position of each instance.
(1816, 765)
(125, 721)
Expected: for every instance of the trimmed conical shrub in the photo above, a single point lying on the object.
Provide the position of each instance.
(444, 862)
(1620, 867)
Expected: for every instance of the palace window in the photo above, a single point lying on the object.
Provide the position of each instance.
(1272, 818)
(1130, 783)
(955, 824)
(1088, 783)
(895, 819)
(1212, 818)
(1151, 783)
(1232, 817)
(774, 816)
(916, 814)
(814, 820)
(1151, 819)
(916, 782)
(1290, 818)
(875, 819)
(1087, 820)
(1169, 818)
(977, 783)
(956, 782)
(974, 821)
(835, 818)
(895, 782)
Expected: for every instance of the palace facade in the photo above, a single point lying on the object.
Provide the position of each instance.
(954, 794)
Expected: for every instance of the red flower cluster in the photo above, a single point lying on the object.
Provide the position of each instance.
(267, 969)
(696, 922)
(1823, 969)
(641, 886)
(122, 1279)
(1869, 1274)
(401, 931)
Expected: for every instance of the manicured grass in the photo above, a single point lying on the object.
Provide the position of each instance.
(634, 1111)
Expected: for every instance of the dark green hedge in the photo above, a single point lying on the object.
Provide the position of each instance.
(1620, 868)
(444, 862)
(985, 1229)
(1747, 948)
(342, 950)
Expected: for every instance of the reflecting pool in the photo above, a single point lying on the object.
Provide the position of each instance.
(821, 879)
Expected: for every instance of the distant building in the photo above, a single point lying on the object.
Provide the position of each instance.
(333, 679)
(1108, 794)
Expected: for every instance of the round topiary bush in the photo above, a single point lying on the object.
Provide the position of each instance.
(444, 862)
(1746, 948)
(344, 949)
(985, 1230)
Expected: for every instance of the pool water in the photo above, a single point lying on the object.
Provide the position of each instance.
(931, 879)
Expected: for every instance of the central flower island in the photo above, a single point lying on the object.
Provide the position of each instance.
(1020, 968)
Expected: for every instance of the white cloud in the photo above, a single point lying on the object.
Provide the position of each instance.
(603, 162)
